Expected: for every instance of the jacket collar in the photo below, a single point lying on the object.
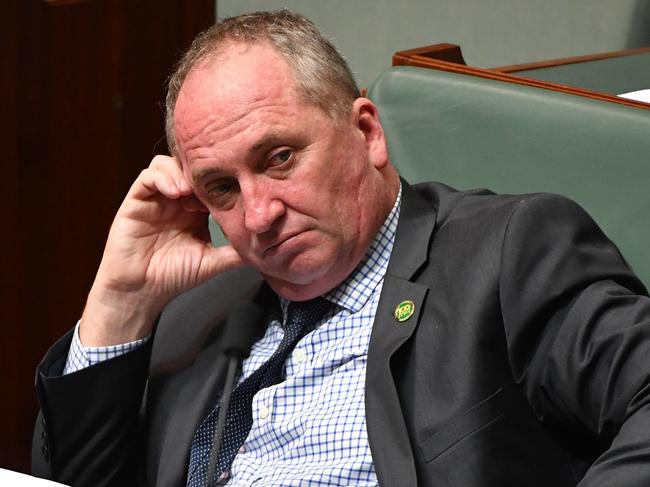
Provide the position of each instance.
(416, 223)
(390, 443)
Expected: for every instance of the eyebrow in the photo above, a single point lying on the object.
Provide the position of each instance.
(266, 141)
(200, 174)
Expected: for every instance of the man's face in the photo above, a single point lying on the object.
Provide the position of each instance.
(299, 195)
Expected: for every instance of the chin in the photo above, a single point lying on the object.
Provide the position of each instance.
(301, 286)
(306, 285)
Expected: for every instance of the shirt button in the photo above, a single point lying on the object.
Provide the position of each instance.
(264, 412)
(242, 449)
(299, 356)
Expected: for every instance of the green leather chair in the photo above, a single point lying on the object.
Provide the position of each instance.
(216, 235)
(470, 132)
(613, 75)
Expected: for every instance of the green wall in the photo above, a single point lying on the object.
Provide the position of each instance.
(491, 32)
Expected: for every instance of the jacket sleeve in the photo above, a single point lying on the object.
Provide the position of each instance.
(87, 430)
(578, 327)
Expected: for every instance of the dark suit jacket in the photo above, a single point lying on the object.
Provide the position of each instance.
(526, 362)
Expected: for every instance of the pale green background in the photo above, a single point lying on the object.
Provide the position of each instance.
(491, 32)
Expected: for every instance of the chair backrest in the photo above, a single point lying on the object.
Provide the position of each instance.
(470, 132)
(613, 75)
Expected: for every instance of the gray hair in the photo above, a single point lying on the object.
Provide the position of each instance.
(322, 76)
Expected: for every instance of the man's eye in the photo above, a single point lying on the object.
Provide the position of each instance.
(220, 189)
(281, 157)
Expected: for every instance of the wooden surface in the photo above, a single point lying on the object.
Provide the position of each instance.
(570, 60)
(82, 116)
(434, 57)
(439, 52)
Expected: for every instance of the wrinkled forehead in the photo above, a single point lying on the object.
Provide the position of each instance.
(233, 78)
(230, 85)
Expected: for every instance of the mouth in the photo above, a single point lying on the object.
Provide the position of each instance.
(278, 245)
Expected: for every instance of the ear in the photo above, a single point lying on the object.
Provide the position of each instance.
(366, 119)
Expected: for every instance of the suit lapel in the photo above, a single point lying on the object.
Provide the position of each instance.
(389, 440)
(198, 387)
(197, 396)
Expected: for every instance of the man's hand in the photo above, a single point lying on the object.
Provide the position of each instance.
(158, 247)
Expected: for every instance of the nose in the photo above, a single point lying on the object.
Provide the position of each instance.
(261, 207)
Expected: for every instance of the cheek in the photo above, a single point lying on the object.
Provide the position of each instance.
(349, 196)
(344, 219)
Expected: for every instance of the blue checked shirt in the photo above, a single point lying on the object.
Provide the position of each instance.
(310, 429)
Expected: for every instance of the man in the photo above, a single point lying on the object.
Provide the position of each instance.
(471, 339)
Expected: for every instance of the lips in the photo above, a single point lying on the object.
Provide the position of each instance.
(277, 243)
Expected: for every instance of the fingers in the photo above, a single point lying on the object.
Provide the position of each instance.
(192, 204)
(164, 175)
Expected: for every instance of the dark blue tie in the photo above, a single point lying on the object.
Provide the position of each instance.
(302, 317)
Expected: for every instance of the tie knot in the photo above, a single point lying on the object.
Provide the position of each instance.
(307, 313)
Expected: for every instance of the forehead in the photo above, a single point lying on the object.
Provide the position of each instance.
(239, 79)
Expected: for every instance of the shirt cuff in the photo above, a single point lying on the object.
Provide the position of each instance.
(80, 357)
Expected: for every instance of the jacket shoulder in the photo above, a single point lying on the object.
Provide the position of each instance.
(452, 204)
(193, 318)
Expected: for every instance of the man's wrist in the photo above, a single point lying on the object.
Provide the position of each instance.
(81, 357)
(115, 318)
